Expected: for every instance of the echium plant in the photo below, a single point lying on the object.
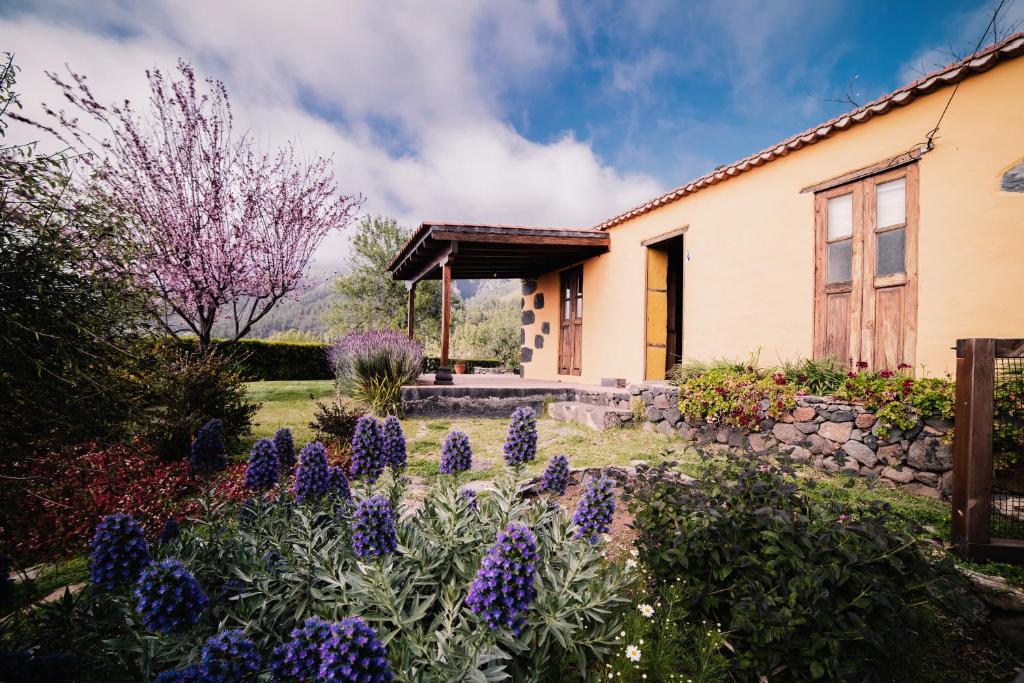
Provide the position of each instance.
(594, 513)
(298, 659)
(311, 475)
(368, 457)
(190, 674)
(469, 495)
(337, 483)
(119, 552)
(352, 653)
(229, 657)
(373, 528)
(503, 589)
(521, 442)
(208, 453)
(556, 477)
(261, 474)
(284, 444)
(456, 455)
(394, 444)
(170, 600)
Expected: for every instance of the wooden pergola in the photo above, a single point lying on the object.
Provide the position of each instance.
(461, 251)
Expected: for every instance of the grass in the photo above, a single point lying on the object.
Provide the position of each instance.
(288, 404)
(51, 578)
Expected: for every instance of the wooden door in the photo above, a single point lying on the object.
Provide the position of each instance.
(657, 314)
(866, 271)
(570, 346)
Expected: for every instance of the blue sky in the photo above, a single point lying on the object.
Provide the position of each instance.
(540, 112)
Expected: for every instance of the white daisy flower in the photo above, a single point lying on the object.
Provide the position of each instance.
(630, 565)
(646, 610)
(633, 653)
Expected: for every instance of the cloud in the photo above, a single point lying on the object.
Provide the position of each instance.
(409, 98)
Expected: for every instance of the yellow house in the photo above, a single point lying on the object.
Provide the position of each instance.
(882, 235)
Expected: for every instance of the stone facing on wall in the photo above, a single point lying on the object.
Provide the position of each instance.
(828, 434)
(1013, 180)
(529, 317)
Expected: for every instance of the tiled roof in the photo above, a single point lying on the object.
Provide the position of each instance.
(1008, 48)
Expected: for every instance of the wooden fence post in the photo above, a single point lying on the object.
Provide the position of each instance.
(972, 445)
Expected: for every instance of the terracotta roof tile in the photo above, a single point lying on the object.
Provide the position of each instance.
(1008, 48)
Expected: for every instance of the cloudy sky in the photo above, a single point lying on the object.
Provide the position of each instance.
(546, 112)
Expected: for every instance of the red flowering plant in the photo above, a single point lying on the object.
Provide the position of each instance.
(898, 399)
(52, 503)
(736, 396)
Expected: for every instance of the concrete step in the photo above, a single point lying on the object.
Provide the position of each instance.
(593, 416)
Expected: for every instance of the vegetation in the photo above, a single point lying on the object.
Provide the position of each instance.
(488, 324)
(736, 397)
(372, 368)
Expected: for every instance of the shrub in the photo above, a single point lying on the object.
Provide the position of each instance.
(818, 376)
(371, 367)
(188, 389)
(119, 551)
(274, 569)
(899, 401)
(736, 398)
(264, 359)
(806, 586)
(50, 504)
(334, 423)
(1008, 417)
(208, 452)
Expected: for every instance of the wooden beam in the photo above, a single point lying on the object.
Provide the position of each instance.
(411, 287)
(433, 263)
(518, 238)
(446, 309)
(865, 172)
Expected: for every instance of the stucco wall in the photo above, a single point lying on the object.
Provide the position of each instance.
(750, 282)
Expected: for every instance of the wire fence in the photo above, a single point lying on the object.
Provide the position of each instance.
(1007, 503)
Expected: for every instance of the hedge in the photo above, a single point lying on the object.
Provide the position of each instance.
(271, 360)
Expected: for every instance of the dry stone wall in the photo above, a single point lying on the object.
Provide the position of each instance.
(823, 432)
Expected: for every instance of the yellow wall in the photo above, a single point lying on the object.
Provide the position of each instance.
(750, 282)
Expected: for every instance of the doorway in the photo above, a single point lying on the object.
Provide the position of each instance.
(664, 305)
(570, 316)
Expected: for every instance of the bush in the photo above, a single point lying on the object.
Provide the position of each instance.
(899, 401)
(818, 376)
(807, 587)
(186, 390)
(264, 360)
(735, 397)
(432, 363)
(371, 367)
(334, 423)
(280, 562)
(51, 503)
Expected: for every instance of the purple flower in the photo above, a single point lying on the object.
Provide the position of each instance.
(373, 528)
(352, 653)
(556, 477)
(170, 598)
(367, 450)
(337, 483)
(456, 455)
(190, 674)
(229, 657)
(119, 551)
(469, 495)
(285, 447)
(298, 660)
(394, 444)
(503, 588)
(171, 530)
(521, 442)
(209, 454)
(261, 474)
(311, 476)
(379, 353)
(595, 510)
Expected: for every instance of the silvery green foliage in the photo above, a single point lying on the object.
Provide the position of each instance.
(414, 598)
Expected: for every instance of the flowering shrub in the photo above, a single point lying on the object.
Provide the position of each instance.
(311, 475)
(556, 477)
(284, 446)
(119, 552)
(818, 587)
(229, 657)
(521, 442)
(503, 588)
(261, 474)
(371, 367)
(169, 598)
(368, 456)
(208, 453)
(594, 512)
(736, 397)
(298, 660)
(53, 502)
(373, 529)
(394, 444)
(899, 401)
(352, 653)
(337, 483)
(456, 455)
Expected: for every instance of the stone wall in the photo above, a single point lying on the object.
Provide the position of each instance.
(828, 434)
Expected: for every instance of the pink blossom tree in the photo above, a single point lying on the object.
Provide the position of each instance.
(218, 229)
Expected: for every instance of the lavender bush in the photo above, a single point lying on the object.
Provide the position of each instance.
(371, 367)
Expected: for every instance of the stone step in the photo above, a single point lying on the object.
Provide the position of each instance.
(593, 416)
(603, 397)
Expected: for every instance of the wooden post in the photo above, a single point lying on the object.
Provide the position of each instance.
(411, 287)
(444, 373)
(972, 446)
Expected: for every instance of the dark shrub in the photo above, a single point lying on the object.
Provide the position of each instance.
(186, 390)
(334, 423)
(806, 587)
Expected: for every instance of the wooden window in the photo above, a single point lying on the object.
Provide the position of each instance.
(865, 304)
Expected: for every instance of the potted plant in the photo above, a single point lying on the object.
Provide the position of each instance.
(460, 367)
